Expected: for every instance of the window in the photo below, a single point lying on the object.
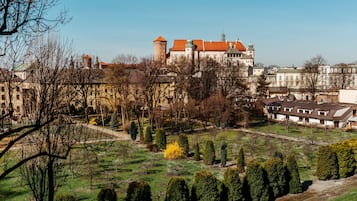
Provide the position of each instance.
(322, 121)
(2, 89)
(17, 97)
(17, 89)
(300, 111)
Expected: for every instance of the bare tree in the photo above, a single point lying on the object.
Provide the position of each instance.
(26, 19)
(311, 74)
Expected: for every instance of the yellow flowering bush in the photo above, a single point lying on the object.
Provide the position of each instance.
(173, 151)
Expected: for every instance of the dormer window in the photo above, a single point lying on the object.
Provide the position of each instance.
(300, 111)
(287, 109)
(323, 113)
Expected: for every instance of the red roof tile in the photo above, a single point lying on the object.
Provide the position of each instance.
(160, 38)
(179, 45)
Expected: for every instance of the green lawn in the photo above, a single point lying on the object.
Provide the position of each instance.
(352, 195)
(305, 132)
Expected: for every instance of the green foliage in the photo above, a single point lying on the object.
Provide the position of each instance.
(65, 197)
(138, 191)
(148, 135)
(183, 142)
(114, 123)
(241, 160)
(346, 160)
(276, 174)
(133, 130)
(177, 190)
(205, 187)
(233, 184)
(327, 164)
(160, 138)
(293, 176)
(223, 154)
(257, 182)
(196, 155)
(209, 155)
(107, 194)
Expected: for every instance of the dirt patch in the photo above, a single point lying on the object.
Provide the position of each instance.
(324, 190)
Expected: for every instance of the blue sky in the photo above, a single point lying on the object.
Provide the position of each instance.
(284, 32)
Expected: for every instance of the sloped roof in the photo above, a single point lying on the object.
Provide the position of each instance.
(160, 39)
(179, 45)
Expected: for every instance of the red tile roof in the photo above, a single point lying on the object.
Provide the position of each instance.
(160, 38)
(179, 45)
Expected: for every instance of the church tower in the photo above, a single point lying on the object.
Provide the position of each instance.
(160, 49)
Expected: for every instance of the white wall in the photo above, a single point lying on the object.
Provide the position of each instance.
(347, 96)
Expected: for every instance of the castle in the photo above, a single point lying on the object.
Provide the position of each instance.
(232, 53)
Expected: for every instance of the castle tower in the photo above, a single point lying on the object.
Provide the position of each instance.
(250, 50)
(160, 49)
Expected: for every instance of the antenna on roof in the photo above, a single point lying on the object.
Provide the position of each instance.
(223, 37)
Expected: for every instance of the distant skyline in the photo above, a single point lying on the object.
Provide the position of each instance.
(284, 32)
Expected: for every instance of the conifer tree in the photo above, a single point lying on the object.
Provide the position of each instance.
(293, 176)
(107, 194)
(276, 174)
(223, 154)
(327, 164)
(196, 155)
(241, 160)
(160, 138)
(205, 187)
(148, 135)
(177, 190)
(133, 130)
(183, 142)
(138, 191)
(257, 182)
(233, 184)
(209, 155)
(346, 160)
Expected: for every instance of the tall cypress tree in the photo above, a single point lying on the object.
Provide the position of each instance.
(276, 174)
(327, 164)
(257, 182)
(183, 142)
(346, 160)
(293, 176)
(205, 187)
(209, 155)
(196, 155)
(133, 130)
(223, 154)
(160, 138)
(177, 190)
(233, 184)
(241, 160)
(148, 135)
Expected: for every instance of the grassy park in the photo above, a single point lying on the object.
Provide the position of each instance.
(115, 164)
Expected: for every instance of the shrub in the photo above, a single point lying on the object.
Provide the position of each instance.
(241, 160)
(133, 131)
(196, 155)
(114, 123)
(223, 154)
(346, 160)
(293, 176)
(257, 182)
(327, 164)
(173, 151)
(138, 191)
(107, 194)
(160, 138)
(205, 187)
(209, 155)
(65, 197)
(177, 190)
(233, 184)
(183, 142)
(148, 135)
(276, 174)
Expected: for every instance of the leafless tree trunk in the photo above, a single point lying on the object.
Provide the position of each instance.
(311, 74)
